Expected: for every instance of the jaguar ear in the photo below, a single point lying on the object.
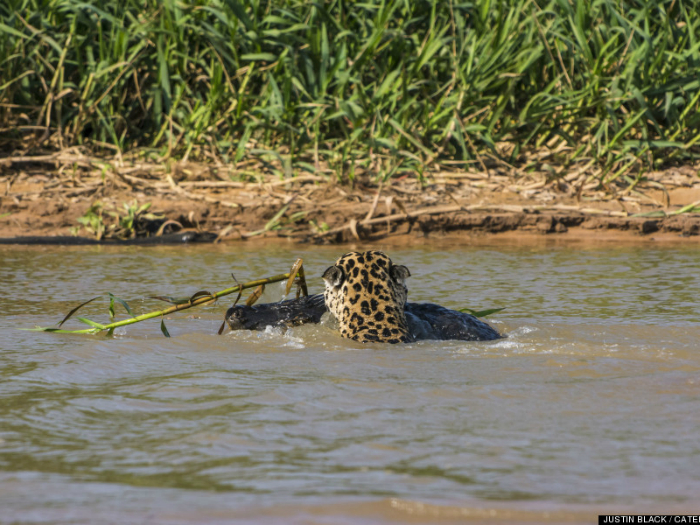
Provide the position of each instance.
(334, 276)
(399, 272)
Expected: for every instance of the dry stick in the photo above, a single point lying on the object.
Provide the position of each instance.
(467, 175)
(212, 184)
(298, 178)
(588, 211)
(371, 211)
(474, 207)
(297, 270)
(396, 216)
(255, 295)
(196, 197)
(476, 152)
(42, 159)
(353, 229)
(302, 280)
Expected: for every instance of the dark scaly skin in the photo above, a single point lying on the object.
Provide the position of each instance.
(426, 321)
(289, 313)
(170, 238)
(432, 321)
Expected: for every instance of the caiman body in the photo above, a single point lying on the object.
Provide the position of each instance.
(426, 321)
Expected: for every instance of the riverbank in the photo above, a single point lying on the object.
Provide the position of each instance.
(47, 194)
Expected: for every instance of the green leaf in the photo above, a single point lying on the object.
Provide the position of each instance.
(201, 293)
(690, 208)
(386, 84)
(163, 328)
(76, 309)
(7, 29)
(163, 73)
(60, 331)
(90, 323)
(112, 298)
(254, 57)
(272, 223)
(171, 300)
(238, 9)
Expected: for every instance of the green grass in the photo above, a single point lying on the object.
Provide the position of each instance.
(385, 87)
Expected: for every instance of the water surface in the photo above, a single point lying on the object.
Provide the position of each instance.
(591, 404)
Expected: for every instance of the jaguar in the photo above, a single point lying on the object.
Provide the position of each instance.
(367, 293)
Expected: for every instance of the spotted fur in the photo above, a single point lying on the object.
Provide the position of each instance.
(367, 293)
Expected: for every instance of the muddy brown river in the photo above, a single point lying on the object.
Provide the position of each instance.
(591, 405)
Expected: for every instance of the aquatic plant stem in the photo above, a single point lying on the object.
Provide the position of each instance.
(197, 302)
(204, 299)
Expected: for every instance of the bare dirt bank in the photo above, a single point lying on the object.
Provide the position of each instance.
(46, 196)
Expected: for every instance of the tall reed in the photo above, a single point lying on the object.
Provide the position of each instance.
(389, 86)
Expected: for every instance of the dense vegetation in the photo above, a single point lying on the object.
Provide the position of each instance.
(406, 85)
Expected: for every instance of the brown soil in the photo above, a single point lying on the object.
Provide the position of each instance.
(46, 195)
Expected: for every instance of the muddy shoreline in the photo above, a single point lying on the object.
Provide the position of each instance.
(47, 199)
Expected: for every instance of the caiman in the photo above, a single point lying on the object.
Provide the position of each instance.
(425, 320)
